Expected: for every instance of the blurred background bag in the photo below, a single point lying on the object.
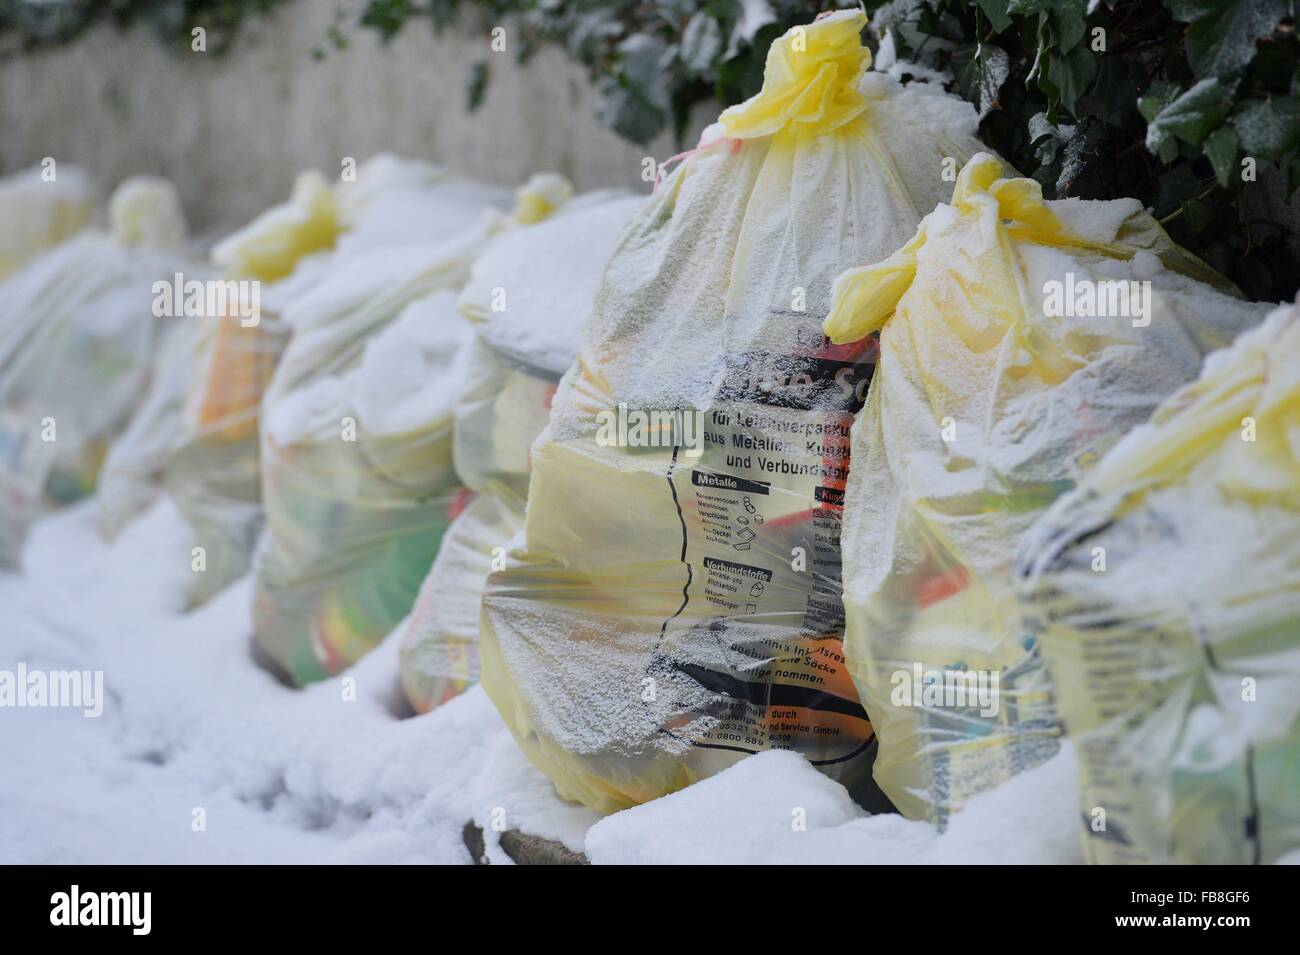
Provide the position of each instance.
(40, 209)
(358, 481)
(79, 331)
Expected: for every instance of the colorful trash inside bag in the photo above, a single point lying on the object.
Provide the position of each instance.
(673, 603)
(78, 334)
(39, 208)
(1019, 339)
(358, 481)
(528, 297)
(212, 471)
(1165, 590)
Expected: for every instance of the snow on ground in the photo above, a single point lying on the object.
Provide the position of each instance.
(192, 723)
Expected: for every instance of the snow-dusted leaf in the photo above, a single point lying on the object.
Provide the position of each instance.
(1269, 129)
(702, 43)
(1223, 39)
(981, 69)
(1193, 115)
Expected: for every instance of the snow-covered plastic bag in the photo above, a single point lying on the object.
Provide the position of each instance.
(358, 482)
(77, 335)
(674, 601)
(397, 201)
(39, 208)
(997, 386)
(528, 297)
(1165, 590)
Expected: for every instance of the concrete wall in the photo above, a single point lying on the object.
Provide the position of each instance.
(233, 130)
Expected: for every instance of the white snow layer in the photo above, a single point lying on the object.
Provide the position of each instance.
(192, 723)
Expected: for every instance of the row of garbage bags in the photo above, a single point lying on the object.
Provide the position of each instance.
(794, 453)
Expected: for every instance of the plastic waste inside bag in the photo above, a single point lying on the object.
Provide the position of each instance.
(528, 297)
(79, 332)
(1019, 340)
(673, 603)
(39, 208)
(1165, 590)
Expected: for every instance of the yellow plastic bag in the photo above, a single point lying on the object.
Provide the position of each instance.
(439, 654)
(358, 482)
(39, 208)
(997, 387)
(1165, 590)
(77, 335)
(528, 297)
(674, 601)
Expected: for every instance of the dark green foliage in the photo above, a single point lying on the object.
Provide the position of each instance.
(1172, 102)
(28, 24)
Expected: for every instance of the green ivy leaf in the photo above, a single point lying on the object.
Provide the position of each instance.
(1192, 116)
(996, 11)
(1270, 128)
(1221, 148)
(629, 114)
(1223, 40)
(981, 69)
(1072, 74)
(702, 43)
(1158, 95)
(1069, 30)
(890, 15)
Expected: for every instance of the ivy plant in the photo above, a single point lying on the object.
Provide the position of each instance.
(1190, 106)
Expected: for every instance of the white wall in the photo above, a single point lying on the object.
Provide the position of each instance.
(233, 130)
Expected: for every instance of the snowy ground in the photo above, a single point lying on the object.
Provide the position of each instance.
(192, 722)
